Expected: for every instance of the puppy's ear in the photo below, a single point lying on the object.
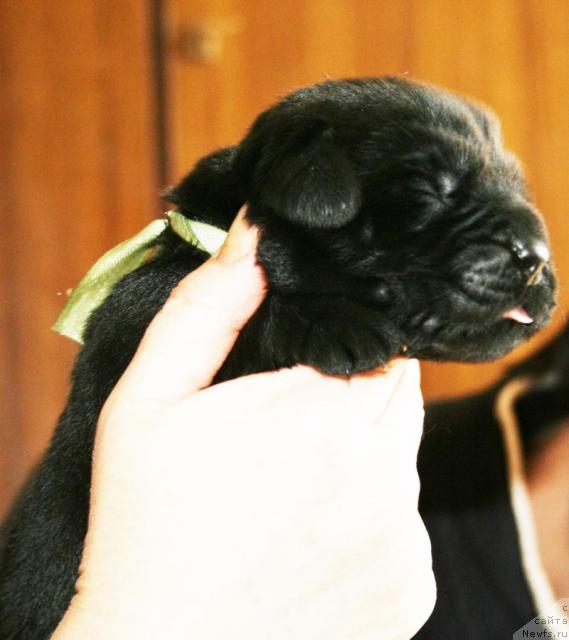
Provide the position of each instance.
(309, 180)
(211, 192)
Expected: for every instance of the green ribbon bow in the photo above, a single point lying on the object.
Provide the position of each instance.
(97, 284)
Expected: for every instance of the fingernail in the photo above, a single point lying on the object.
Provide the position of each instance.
(241, 240)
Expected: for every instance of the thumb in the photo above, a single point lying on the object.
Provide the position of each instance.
(189, 339)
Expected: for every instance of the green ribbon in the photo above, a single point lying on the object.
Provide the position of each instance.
(99, 281)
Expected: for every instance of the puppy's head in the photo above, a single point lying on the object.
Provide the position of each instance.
(398, 196)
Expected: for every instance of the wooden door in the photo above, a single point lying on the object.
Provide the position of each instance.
(79, 173)
(228, 59)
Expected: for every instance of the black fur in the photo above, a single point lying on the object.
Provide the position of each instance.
(392, 220)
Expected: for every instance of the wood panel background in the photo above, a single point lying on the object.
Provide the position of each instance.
(83, 149)
(78, 174)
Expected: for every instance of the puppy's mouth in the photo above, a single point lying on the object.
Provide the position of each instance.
(518, 314)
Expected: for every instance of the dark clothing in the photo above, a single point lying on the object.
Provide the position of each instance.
(483, 593)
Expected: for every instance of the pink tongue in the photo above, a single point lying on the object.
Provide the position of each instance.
(519, 315)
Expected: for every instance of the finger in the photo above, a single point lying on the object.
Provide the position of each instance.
(390, 400)
(375, 391)
(404, 413)
(189, 339)
(360, 399)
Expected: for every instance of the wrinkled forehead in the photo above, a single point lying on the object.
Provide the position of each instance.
(435, 128)
(453, 120)
(416, 151)
(410, 144)
(444, 110)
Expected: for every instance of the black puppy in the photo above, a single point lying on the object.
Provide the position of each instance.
(392, 221)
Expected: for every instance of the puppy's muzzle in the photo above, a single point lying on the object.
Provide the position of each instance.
(497, 271)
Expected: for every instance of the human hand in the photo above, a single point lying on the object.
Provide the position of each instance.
(279, 505)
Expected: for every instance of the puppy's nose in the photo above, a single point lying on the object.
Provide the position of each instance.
(532, 255)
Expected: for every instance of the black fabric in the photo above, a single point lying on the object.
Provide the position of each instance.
(482, 590)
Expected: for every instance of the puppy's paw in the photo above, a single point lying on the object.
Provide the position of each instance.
(334, 335)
